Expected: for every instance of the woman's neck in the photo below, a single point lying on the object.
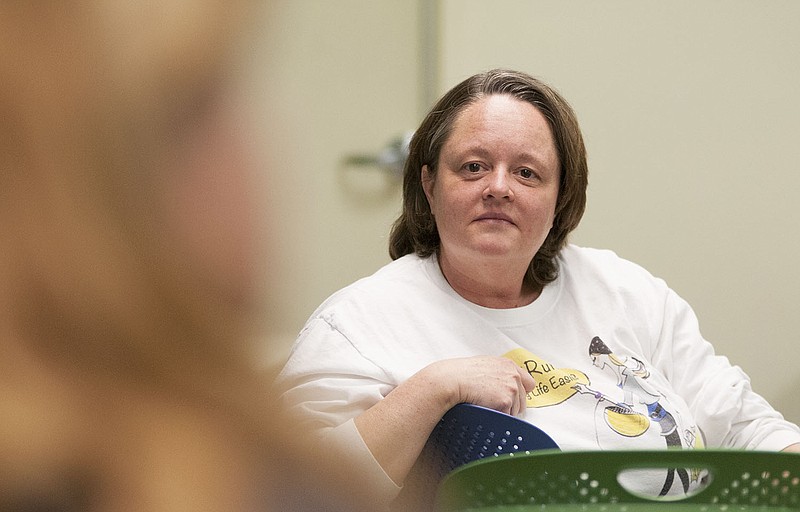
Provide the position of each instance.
(489, 284)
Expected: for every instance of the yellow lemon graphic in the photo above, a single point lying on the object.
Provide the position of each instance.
(625, 421)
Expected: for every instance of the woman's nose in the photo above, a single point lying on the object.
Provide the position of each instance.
(499, 185)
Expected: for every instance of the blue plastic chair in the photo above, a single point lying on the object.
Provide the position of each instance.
(466, 433)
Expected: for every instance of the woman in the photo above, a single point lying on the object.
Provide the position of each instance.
(486, 303)
(131, 270)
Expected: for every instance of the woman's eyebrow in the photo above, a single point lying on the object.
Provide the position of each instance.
(481, 151)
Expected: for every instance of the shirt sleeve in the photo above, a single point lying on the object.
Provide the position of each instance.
(325, 384)
(727, 410)
(370, 472)
(327, 381)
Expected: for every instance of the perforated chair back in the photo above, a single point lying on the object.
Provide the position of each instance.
(573, 481)
(467, 433)
(470, 432)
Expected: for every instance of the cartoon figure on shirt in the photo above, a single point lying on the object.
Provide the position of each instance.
(629, 415)
(632, 376)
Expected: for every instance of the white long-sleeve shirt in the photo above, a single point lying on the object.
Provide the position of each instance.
(617, 356)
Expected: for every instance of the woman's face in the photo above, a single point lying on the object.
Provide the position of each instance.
(494, 194)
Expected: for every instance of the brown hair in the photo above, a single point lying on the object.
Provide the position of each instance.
(415, 230)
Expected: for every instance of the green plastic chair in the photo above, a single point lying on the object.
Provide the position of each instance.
(573, 481)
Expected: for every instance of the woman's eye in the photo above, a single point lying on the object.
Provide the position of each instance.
(526, 173)
(473, 167)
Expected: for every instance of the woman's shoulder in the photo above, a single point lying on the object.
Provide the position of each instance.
(587, 264)
(573, 255)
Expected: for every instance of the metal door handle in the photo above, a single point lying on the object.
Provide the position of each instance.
(392, 157)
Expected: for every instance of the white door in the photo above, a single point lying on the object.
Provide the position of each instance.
(333, 80)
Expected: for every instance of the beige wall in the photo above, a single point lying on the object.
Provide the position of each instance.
(691, 114)
(689, 108)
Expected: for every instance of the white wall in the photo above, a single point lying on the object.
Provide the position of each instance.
(691, 115)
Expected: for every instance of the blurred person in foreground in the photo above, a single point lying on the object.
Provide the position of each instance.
(486, 303)
(132, 266)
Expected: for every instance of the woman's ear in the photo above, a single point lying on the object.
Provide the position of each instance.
(427, 184)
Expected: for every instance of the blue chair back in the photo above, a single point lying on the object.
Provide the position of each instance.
(466, 433)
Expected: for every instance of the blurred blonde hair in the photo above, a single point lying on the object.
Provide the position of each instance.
(92, 102)
(113, 329)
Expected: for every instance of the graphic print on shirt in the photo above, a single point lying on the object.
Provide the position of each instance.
(553, 385)
(630, 413)
(632, 375)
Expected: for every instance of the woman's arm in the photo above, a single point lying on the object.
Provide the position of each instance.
(724, 405)
(396, 428)
(327, 382)
(794, 448)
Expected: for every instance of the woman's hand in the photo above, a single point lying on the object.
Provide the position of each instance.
(489, 381)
